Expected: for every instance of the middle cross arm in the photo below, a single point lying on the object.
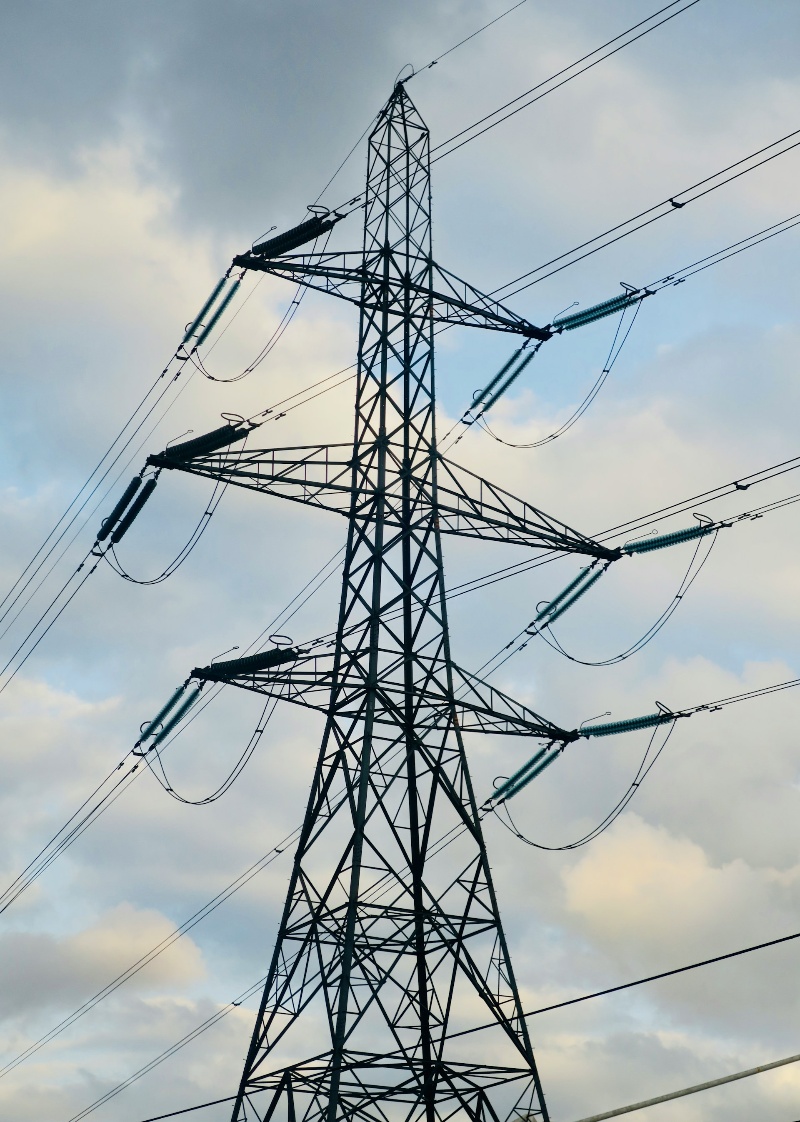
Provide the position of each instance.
(306, 677)
(448, 300)
(321, 475)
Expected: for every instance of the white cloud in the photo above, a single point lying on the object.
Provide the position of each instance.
(49, 972)
(645, 894)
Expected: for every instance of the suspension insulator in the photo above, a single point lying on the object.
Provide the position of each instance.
(298, 235)
(510, 380)
(502, 790)
(484, 393)
(178, 715)
(548, 608)
(109, 523)
(151, 727)
(212, 323)
(535, 766)
(209, 442)
(630, 725)
(664, 540)
(136, 507)
(219, 671)
(597, 311)
(576, 596)
(193, 326)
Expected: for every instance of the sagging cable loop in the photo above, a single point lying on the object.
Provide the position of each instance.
(693, 570)
(613, 354)
(647, 763)
(235, 429)
(320, 224)
(205, 518)
(233, 775)
(555, 608)
(484, 399)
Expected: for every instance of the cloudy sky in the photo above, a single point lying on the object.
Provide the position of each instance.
(144, 144)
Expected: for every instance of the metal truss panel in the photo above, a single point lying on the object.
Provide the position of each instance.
(464, 503)
(309, 679)
(390, 942)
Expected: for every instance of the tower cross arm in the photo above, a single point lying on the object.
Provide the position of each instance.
(304, 675)
(349, 276)
(322, 475)
(484, 708)
(472, 506)
(317, 474)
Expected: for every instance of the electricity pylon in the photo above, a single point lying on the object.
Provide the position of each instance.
(390, 993)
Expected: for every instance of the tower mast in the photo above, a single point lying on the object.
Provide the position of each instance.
(390, 943)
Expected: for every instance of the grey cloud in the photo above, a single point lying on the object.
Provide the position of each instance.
(248, 107)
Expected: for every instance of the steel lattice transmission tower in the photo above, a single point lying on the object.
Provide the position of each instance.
(390, 944)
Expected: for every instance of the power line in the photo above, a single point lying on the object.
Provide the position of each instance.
(540, 86)
(414, 73)
(32, 564)
(467, 39)
(159, 948)
(219, 1014)
(652, 214)
(447, 147)
(691, 1090)
(732, 250)
(98, 802)
(189, 1109)
(651, 978)
(81, 527)
(203, 1027)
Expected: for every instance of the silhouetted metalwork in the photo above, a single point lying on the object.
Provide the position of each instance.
(390, 942)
